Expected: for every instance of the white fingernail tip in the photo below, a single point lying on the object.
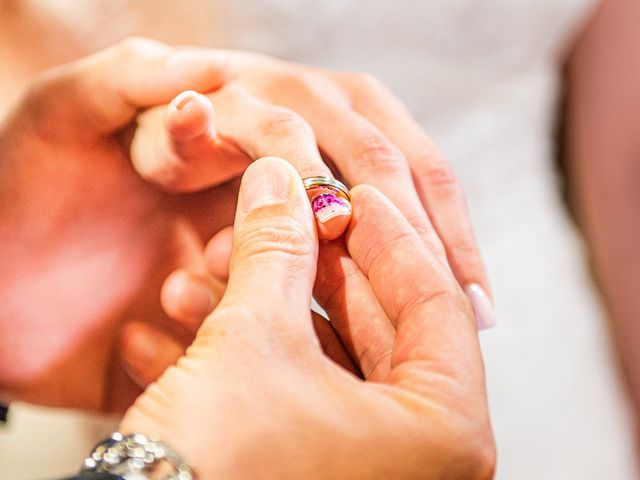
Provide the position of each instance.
(482, 307)
(327, 206)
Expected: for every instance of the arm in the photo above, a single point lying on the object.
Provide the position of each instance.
(603, 141)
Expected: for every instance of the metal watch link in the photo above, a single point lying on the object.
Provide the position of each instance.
(135, 457)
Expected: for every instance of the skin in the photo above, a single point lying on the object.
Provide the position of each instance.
(366, 133)
(427, 413)
(75, 210)
(82, 233)
(603, 149)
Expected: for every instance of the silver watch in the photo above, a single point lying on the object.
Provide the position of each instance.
(135, 457)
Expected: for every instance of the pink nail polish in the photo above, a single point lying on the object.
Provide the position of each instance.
(482, 307)
(332, 211)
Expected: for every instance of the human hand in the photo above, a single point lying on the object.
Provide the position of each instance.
(255, 397)
(85, 243)
(315, 117)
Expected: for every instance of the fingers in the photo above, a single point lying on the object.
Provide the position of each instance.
(331, 345)
(273, 261)
(437, 184)
(147, 352)
(357, 317)
(436, 334)
(262, 129)
(188, 298)
(217, 253)
(178, 148)
(104, 91)
(360, 151)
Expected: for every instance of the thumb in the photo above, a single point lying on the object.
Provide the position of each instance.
(274, 253)
(104, 91)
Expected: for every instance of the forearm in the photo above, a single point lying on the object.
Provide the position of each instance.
(603, 140)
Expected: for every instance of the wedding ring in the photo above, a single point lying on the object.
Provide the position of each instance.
(331, 205)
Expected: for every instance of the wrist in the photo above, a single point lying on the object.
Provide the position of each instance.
(136, 457)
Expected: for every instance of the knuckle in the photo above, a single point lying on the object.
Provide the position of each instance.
(383, 252)
(366, 82)
(286, 79)
(439, 176)
(374, 361)
(376, 153)
(133, 47)
(282, 122)
(476, 457)
(283, 236)
(469, 448)
(420, 297)
(464, 249)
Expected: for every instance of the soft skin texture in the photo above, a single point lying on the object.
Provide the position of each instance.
(603, 153)
(349, 120)
(88, 238)
(85, 242)
(254, 396)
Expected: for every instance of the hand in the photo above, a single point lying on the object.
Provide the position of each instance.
(308, 115)
(254, 396)
(85, 243)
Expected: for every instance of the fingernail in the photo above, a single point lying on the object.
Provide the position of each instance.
(265, 183)
(482, 307)
(183, 99)
(190, 114)
(333, 214)
(327, 206)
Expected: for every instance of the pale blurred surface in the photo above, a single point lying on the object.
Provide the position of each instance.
(43, 443)
(483, 78)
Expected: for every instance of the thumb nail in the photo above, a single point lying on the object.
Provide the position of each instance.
(482, 307)
(266, 182)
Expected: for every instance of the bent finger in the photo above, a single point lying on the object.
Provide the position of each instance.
(360, 151)
(188, 298)
(263, 129)
(217, 253)
(178, 148)
(331, 345)
(147, 352)
(436, 335)
(104, 91)
(438, 186)
(357, 317)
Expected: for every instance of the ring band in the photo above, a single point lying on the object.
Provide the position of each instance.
(312, 182)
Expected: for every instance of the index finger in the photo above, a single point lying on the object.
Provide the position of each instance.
(104, 91)
(435, 326)
(436, 183)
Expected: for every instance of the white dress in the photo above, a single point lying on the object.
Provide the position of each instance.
(482, 76)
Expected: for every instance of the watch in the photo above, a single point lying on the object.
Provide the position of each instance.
(136, 457)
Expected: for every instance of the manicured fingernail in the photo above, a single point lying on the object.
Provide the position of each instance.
(332, 213)
(183, 99)
(327, 206)
(482, 307)
(265, 183)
